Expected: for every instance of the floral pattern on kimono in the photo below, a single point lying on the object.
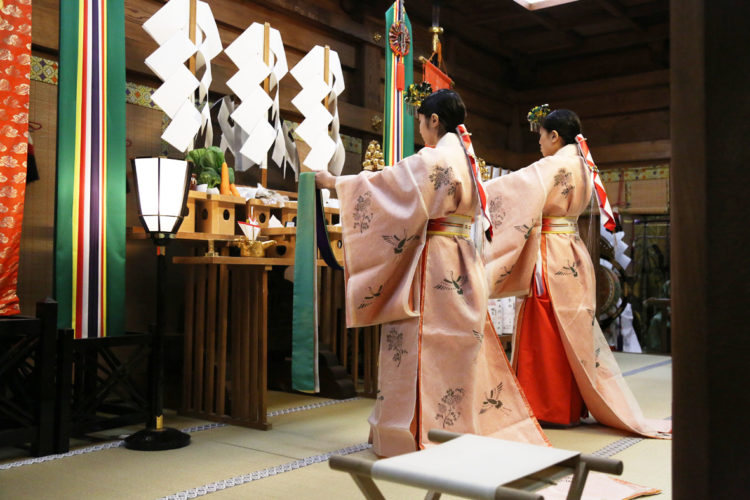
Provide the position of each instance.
(546, 189)
(434, 294)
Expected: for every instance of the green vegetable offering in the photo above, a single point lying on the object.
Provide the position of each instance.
(207, 165)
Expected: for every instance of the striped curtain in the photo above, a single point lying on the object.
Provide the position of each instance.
(15, 59)
(398, 130)
(91, 165)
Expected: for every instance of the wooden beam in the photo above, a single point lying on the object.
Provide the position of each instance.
(321, 17)
(590, 88)
(598, 66)
(618, 11)
(369, 67)
(607, 42)
(634, 127)
(624, 102)
(565, 32)
(478, 36)
(660, 150)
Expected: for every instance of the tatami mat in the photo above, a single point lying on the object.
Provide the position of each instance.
(254, 458)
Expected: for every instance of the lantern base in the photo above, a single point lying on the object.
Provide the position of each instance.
(165, 438)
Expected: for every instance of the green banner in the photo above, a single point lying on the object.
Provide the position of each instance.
(398, 126)
(89, 278)
(305, 300)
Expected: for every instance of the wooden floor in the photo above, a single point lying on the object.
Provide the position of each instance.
(290, 461)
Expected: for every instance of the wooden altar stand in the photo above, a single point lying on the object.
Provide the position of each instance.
(226, 338)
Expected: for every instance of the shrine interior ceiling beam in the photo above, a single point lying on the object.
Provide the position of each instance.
(610, 41)
(618, 11)
(567, 34)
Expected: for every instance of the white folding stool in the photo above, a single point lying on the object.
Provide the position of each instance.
(480, 467)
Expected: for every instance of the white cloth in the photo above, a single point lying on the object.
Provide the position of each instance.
(326, 149)
(169, 27)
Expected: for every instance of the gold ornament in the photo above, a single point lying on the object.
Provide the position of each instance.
(485, 171)
(373, 157)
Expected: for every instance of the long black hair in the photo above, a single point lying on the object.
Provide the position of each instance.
(566, 122)
(447, 105)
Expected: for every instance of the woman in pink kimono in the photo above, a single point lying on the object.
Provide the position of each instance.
(559, 353)
(410, 265)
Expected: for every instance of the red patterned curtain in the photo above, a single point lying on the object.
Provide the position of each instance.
(15, 59)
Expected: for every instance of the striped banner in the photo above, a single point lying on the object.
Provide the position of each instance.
(398, 130)
(91, 164)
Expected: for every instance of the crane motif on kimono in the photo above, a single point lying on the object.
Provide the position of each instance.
(506, 272)
(399, 243)
(369, 298)
(492, 400)
(479, 336)
(526, 229)
(570, 269)
(452, 284)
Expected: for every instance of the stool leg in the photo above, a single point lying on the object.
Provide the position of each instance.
(361, 471)
(432, 495)
(369, 488)
(579, 481)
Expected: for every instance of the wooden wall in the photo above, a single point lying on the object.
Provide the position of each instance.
(37, 236)
(302, 26)
(630, 111)
(626, 118)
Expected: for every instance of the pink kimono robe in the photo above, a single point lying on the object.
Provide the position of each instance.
(559, 186)
(441, 364)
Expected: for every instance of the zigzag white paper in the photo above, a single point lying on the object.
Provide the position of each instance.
(169, 27)
(246, 52)
(327, 150)
(232, 136)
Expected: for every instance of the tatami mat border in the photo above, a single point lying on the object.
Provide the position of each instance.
(285, 411)
(263, 473)
(607, 451)
(72, 453)
(618, 446)
(98, 447)
(196, 428)
(647, 367)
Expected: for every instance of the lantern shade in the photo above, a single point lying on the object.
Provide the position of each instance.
(162, 186)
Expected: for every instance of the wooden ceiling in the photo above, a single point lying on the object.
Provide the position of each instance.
(602, 38)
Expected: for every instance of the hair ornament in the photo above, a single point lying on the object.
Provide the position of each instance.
(415, 94)
(536, 116)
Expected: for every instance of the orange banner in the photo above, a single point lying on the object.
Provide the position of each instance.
(438, 80)
(15, 54)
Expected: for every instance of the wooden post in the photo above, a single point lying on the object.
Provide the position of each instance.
(199, 337)
(187, 370)
(223, 321)
(709, 282)
(326, 71)
(267, 88)
(191, 61)
(327, 74)
(191, 27)
(210, 345)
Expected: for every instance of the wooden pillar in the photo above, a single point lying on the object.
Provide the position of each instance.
(372, 94)
(710, 277)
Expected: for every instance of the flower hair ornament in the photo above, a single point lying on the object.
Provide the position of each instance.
(536, 116)
(415, 94)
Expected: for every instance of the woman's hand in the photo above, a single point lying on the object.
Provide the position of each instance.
(324, 180)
